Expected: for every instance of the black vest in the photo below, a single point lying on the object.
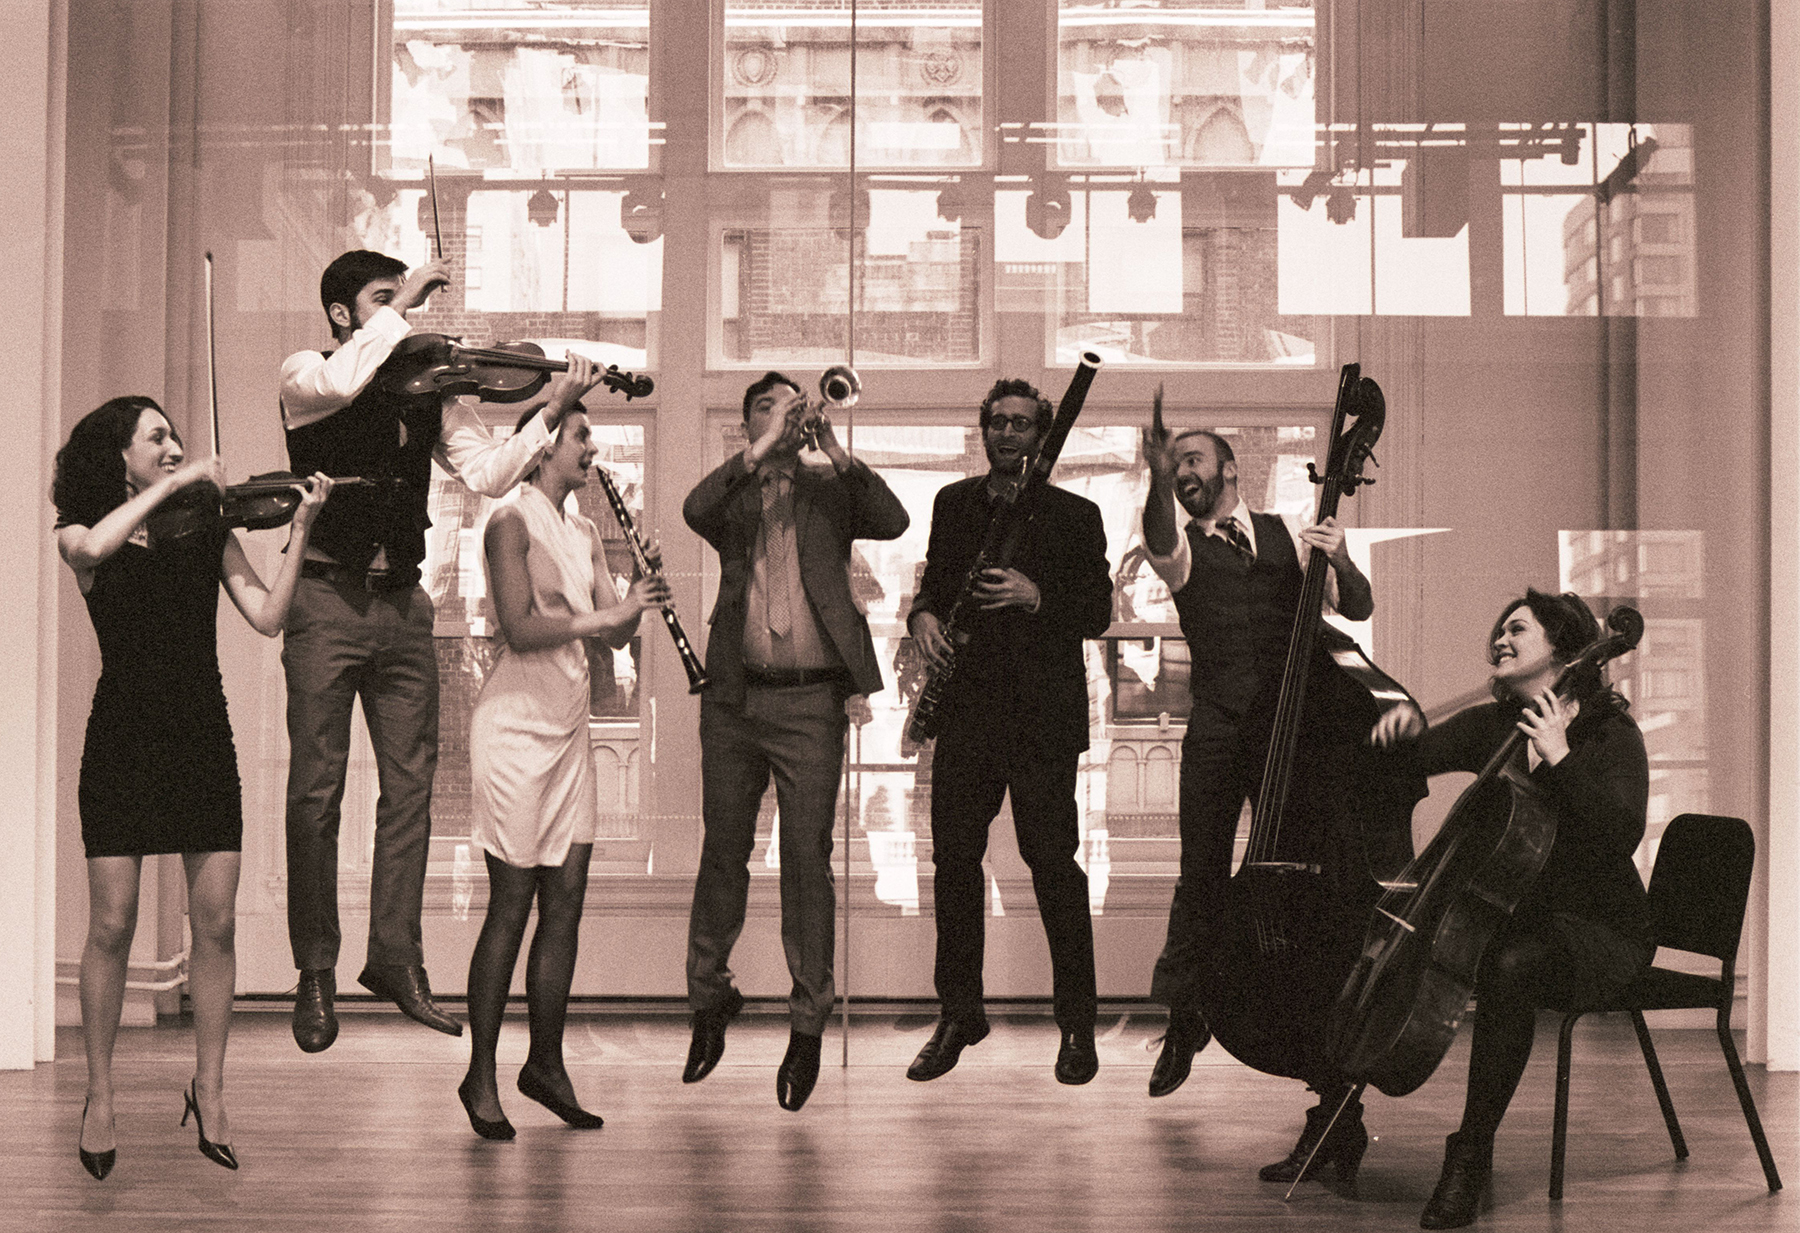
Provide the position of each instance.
(1237, 618)
(380, 435)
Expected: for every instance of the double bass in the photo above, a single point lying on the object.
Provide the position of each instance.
(1285, 935)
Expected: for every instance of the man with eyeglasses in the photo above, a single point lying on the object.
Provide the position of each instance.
(1015, 723)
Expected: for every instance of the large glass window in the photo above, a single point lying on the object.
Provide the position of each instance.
(786, 92)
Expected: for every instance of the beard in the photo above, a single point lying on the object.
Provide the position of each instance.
(1200, 498)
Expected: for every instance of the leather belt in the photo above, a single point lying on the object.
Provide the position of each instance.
(792, 678)
(362, 580)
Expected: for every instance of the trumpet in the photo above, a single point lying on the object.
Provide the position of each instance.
(839, 388)
(690, 662)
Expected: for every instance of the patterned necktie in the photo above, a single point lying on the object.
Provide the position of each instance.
(778, 546)
(1235, 535)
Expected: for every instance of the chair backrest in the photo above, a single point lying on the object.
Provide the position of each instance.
(1701, 883)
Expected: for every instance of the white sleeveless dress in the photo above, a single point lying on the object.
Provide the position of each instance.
(534, 787)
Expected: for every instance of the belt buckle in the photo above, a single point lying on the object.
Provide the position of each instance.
(375, 580)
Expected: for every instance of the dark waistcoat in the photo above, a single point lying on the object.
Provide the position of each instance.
(1237, 617)
(384, 436)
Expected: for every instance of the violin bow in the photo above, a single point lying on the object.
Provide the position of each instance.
(437, 227)
(212, 357)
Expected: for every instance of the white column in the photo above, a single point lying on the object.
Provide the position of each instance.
(31, 143)
(1774, 1020)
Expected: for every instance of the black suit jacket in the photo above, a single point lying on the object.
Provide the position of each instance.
(1021, 670)
(830, 512)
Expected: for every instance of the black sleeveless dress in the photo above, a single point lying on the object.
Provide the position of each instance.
(159, 771)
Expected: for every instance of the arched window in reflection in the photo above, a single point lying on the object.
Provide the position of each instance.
(753, 141)
(1161, 777)
(834, 143)
(949, 136)
(1122, 781)
(1221, 140)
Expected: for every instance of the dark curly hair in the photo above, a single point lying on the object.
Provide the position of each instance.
(1570, 627)
(762, 385)
(344, 279)
(1014, 387)
(90, 467)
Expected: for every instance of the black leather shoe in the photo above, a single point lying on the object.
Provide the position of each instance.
(410, 990)
(97, 1163)
(1077, 1060)
(1187, 1035)
(947, 1042)
(1468, 1170)
(218, 1153)
(315, 1023)
(799, 1071)
(708, 1045)
(536, 1089)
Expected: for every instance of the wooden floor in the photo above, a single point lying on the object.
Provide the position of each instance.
(370, 1136)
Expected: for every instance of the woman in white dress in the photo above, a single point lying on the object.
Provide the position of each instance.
(535, 802)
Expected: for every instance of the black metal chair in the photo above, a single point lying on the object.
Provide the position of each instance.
(1698, 890)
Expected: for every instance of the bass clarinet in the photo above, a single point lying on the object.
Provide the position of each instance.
(690, 662)
(1005, 531)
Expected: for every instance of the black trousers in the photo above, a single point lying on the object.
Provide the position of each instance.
(971, 773)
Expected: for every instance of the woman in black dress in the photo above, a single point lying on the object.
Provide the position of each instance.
(158, 770)
(1583, 929)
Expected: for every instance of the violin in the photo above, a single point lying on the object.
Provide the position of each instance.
(507, 372)
(261, 502)
(1410, 987)
(258, 504)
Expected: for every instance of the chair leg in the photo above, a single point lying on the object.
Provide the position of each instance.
(1662, 1088)
(1559, 1135)
(1743, 1091)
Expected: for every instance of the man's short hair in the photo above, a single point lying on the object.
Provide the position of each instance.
(1221, 447)
(1014, 387)
(344, 279)
(763, 384)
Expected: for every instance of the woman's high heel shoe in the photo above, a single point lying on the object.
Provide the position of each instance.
(97, 1163)
(499, 1131)
(218, 1153)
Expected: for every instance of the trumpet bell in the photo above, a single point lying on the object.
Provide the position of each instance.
(840, 386)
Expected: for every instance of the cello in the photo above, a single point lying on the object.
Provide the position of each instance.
(1408, 991)
(1287, 926)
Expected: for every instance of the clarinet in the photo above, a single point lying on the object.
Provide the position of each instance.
(1005, 531)
(690, 662)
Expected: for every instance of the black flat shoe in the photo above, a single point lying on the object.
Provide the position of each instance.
(97, 1163)
(799, 1071)
(1187, 1035)
(536, 1089)
(1077, 1060)
(708, 1044)
(947, 1042)
(499, 1131)
(218, 1153)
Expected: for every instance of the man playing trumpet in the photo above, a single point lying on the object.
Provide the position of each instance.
(788, 645)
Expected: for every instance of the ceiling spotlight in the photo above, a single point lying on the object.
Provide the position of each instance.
(1340, 204)
(1141, 204)
(542, 208)
(1047, 209)
(641, 215)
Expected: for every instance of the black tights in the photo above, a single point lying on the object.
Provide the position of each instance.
(1516, 977)
(549, 968)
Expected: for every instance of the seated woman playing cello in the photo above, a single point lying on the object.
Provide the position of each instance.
(1582, 931)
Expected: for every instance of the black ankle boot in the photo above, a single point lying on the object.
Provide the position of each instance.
(1468, 1169)
(1343, 1148)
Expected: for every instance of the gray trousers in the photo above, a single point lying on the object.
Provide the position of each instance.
(796, 736)
(344, 643)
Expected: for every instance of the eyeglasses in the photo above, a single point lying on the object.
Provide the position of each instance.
(1019, 424)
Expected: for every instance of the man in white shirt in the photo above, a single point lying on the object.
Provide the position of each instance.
(361, 625)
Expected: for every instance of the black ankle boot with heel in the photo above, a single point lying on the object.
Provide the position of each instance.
(1342, 1147)
(1464, 1183)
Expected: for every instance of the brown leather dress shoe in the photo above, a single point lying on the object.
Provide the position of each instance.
(947, 1042)
(410, 990)
(315, 1023)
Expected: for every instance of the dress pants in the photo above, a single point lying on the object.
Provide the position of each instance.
(344, 643)
(796, 735)
(970, 774)
(1221, 767)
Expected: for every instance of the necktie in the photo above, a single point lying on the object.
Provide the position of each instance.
(1238, 538)
(778, 541)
